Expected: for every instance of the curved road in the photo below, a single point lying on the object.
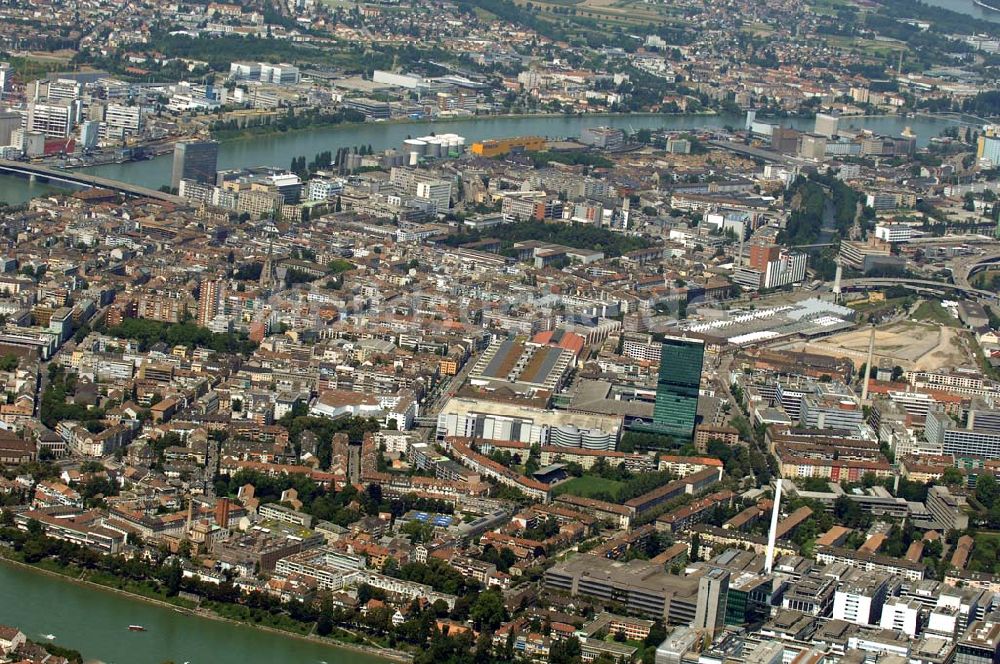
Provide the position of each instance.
(922, 283)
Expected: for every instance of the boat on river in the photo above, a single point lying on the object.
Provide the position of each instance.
(136, 628)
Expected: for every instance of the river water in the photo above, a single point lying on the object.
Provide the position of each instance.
(280, 149)
(969, 8)
(95, 622)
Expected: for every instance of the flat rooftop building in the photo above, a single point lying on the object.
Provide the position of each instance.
(643, 588)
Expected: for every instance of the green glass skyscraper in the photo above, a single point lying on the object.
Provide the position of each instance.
(677, 387)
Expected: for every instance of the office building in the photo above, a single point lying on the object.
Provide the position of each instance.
(677, 388)
(244, 71)
(942, 431)
(66, 89)
(319, 189)
(860, 598)
(643, 587)
(371, 108)
(713, 590)
(988, 149)
(831, 406)
(195, 160)
(785, 140)
(53, 119)
(788, 268)
(902, 615)
(10, 121)
(950, 511)
(603, 137)
(6, 76)
(209, 298)
(827, 125)
(437, 192)
(980, 644)
(279, 74)
(122, 120)
(489, 420)
(894, 232)
(812, 146)
(30, 143)
(288, 185)
(681, 641)
(90, 134)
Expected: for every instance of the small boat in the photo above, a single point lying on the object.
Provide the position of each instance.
(50, 637)
(136, 628)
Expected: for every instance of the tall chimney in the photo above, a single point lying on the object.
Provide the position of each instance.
(868, 365)
(739, 257)
(837, 297)
(190, 514)
(772, 534)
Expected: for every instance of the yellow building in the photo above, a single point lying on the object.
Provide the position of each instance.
(502, 146)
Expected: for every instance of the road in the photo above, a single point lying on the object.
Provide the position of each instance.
(446, 389)
(924, 284)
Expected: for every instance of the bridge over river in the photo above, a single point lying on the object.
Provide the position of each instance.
(86, 180)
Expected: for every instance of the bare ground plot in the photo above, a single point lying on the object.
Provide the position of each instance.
(910, 345)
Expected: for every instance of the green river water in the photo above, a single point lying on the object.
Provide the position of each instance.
(280, 148)
(96, 621)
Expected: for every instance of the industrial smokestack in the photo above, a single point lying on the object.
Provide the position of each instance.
(868, 365)
(190, 516)
(772, 534)
(837, 297)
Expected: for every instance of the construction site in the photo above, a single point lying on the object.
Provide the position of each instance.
(907, 343)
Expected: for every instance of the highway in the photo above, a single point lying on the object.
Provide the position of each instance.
(87, 180)
(965, 267)
(746, 150)
(848, 284)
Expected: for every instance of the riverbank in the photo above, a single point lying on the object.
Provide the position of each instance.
(386, 654)
(280, 148)
(231, 136)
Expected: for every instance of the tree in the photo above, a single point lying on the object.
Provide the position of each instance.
(565, 651)
(324, 625)
(172, 578)
(952, 476)
(9, 362)
(488, 611)
(987, 490)
(657, 633)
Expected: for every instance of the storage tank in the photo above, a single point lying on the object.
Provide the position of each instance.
(415, 145)
(433, 147)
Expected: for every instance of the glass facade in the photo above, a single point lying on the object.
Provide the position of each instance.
(677, 387)
(195, 160)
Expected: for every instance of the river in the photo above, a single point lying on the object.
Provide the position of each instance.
(969, 8)
(95, 622)
(280, 149)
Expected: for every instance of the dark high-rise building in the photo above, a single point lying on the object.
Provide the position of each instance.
(195, 160)
(677, 387)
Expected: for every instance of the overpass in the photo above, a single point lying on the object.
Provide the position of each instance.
(916, 284)
(87, 180)
(964, 270)
(747, 151)
(961, 118)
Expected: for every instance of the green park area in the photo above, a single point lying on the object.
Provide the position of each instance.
(590, 486)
